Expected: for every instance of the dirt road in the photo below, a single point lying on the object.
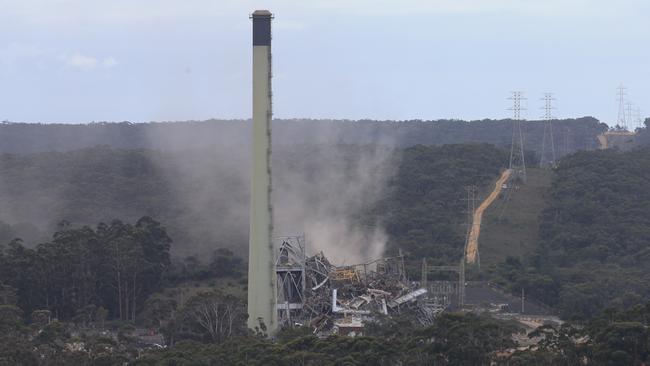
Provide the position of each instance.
(472, 243)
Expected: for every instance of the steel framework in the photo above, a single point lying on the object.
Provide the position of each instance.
(517, 159)
(545, 159)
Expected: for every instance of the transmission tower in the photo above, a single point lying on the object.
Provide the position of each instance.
(545, 159)
(629, 116)
(621, 121)
(517, 161)
(637, 117)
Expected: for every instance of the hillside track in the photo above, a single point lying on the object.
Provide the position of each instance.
(471, 252)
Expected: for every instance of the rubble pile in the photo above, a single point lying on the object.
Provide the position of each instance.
(340, 299)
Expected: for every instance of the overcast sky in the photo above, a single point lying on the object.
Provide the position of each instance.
(160, 60)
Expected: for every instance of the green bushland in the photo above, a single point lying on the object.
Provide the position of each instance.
(592, 249)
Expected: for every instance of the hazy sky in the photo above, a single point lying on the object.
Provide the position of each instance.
(154, 60)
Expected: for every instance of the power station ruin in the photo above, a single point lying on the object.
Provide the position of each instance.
(288, 286)
(315, 293)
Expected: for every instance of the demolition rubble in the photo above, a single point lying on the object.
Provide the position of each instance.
(341, 299)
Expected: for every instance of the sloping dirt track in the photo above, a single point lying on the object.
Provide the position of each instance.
(471, 253)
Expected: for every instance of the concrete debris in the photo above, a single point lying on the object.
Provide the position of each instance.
(341, 299)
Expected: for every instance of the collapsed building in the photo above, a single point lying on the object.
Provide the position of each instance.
(315, 293)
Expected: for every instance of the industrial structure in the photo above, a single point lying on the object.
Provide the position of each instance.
(288, 288)
(262, 315)
(314, 293)
(629, 114)
(445, 292)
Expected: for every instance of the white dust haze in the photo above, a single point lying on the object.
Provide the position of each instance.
(326, 191)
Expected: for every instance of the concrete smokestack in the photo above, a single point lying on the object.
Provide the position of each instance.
(262, 292)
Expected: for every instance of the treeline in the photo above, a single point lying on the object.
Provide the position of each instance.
(593, 241)
(455, 339)
(82, 187)
(113, 267)
(613, 337)
(643, 134)
(569, 134)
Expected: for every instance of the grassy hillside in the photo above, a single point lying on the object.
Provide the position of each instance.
(510, 226)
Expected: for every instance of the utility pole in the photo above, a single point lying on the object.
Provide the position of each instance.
(471, 207)
(523, 300)
(517, 160)
(548, 132)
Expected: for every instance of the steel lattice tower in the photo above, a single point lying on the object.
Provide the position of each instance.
(629, 115)
(637, 117)
(621, 121)
(517, 160)
(546, 160)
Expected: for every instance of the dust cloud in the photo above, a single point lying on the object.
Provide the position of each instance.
(325, 190)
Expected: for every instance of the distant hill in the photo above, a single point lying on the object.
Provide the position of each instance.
(569, 134)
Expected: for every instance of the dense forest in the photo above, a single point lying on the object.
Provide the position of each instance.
(593, 248)
(612, 337)
(421, 207)
(425, 210)
(571, 134)
(152, 237)
(590, 248)
(643, 134)
(202, 195)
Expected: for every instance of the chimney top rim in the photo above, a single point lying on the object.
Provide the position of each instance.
(262, 13)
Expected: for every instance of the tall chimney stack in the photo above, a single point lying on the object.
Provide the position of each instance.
(262, 292)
